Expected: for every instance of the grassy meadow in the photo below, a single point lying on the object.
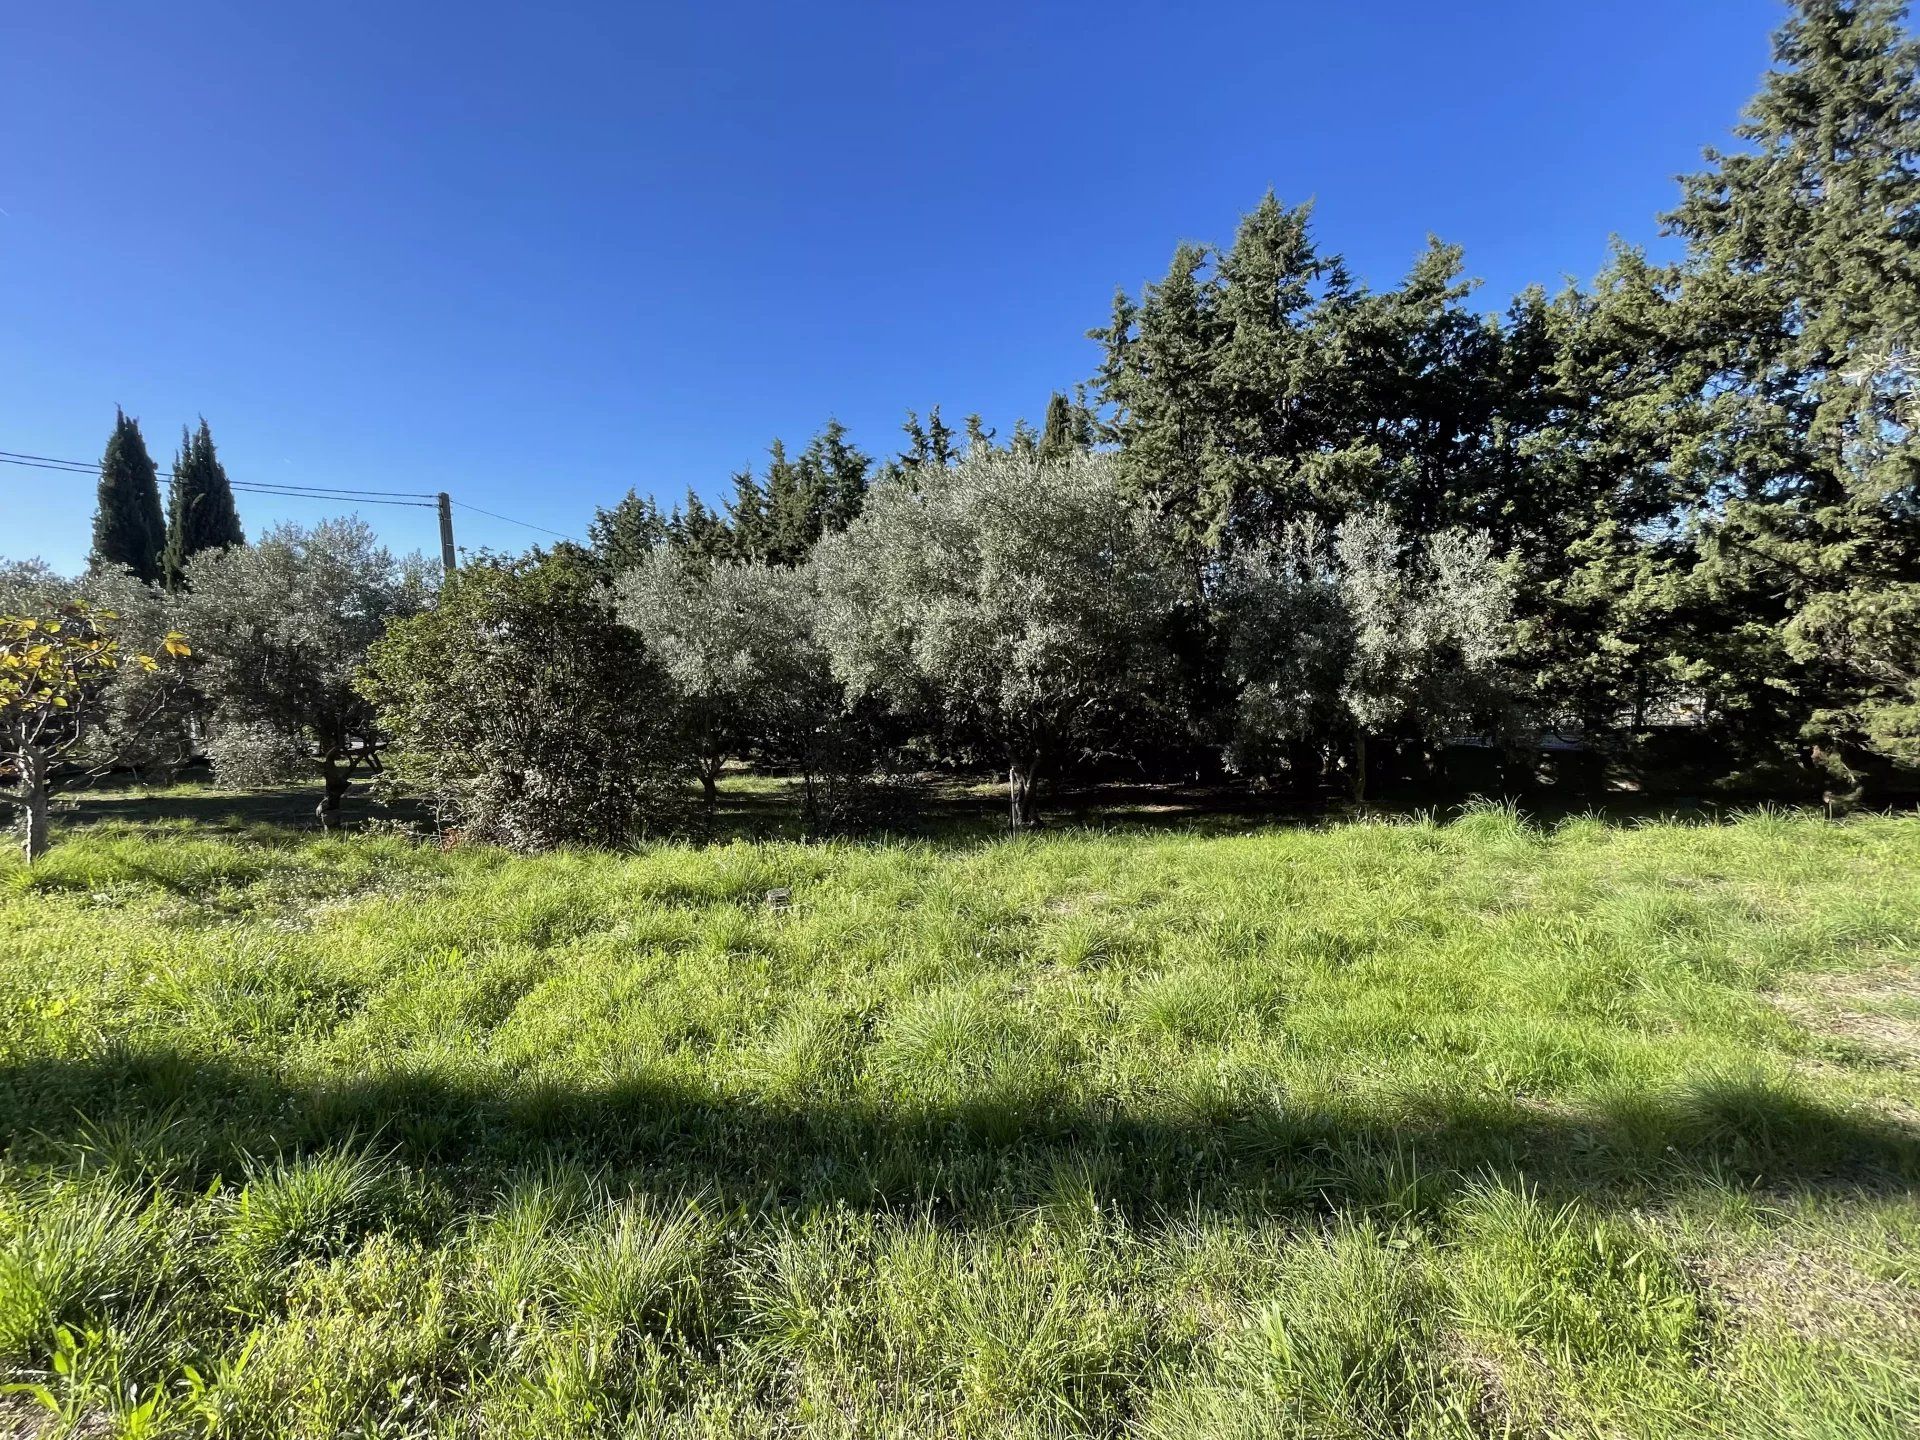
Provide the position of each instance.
(1371, 1129)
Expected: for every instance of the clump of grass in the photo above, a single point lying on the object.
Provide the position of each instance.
(307, 1207)
(639, 1270)
(73, 1253)
(1573, 1285)
(1346, 1347)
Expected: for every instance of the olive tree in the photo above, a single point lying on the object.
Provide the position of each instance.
(1369, 633)
(1023, 605)
(282, 627)
(524, 710)
(740, 645)
(734, 640)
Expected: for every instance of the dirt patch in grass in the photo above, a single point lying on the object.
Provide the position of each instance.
(1813, 1293)
(1878, 1010)
(1481, 1375)
(24, 1418)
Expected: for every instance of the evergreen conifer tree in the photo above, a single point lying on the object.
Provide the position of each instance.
(625, 535)
(128, 529)
(1056, 436)
(1800, 301)
(200, 509)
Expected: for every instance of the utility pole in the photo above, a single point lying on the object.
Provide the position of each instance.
(445, 502)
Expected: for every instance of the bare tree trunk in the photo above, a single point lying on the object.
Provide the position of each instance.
(709, 794)
(34, 767)
(809, 805)
(334, 776)
(1359, 767)
(1021, 778)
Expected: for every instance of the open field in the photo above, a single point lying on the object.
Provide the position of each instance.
(1365, 1130)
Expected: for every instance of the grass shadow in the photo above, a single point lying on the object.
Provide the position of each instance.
(979, 1162)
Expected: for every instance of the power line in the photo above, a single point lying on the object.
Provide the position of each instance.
(342, 496)
(49, 460)
(86, 467)
(418, 499)
(43, 465)
(288, 492)
(511, 521)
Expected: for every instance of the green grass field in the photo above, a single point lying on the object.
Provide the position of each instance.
(1364, 1130)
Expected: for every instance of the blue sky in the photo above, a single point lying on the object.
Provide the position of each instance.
(535, 255)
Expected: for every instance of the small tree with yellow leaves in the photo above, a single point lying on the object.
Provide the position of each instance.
(55, 671)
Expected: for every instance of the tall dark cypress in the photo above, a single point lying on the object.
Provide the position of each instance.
(128, 530)
(200, 509)
(1056, 437)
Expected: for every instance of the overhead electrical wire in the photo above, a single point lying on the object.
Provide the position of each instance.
(511, 521)
(420, 499)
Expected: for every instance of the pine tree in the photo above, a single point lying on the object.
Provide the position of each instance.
(1226, 390)
(128, 529)
(746, 516)
(1801, 297)
(625, 535)
(846, 473)
(200, 510)
(696, 529)
(796, 496)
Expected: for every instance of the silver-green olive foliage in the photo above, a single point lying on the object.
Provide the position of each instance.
(280, 628)
(1024, 605)
(737, 642)
(1365, 632)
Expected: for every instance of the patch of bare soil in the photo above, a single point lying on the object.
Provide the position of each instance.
(1877, 1010)
(1814, 1293)
(24, 1418)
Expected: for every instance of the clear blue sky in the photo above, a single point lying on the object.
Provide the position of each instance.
(535, 254)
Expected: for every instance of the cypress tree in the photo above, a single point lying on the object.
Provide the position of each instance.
(698, 530)
(128, 531)
(625, 535)
(1056, 436)
(746, 516)
(200, 513)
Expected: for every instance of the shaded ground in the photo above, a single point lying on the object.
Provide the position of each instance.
(938, 807)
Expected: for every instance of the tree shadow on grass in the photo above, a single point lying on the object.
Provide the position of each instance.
(280, 815)
(949, 811)
(192, 1119)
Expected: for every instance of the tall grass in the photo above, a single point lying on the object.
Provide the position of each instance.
(1378, 1129)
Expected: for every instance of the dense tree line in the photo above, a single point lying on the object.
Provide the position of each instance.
(1290, 525)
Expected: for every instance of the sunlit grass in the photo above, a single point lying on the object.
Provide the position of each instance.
(1375, 1129)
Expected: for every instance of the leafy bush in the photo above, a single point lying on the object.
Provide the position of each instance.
(524, 710)
(252, 754)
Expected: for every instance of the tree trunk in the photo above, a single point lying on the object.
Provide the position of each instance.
(334, 777)
(1021, 778)
(1359, 767)
(34, 767)
(809, 806)
(709, 794)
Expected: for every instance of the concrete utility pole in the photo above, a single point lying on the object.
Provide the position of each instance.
(445, 502)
